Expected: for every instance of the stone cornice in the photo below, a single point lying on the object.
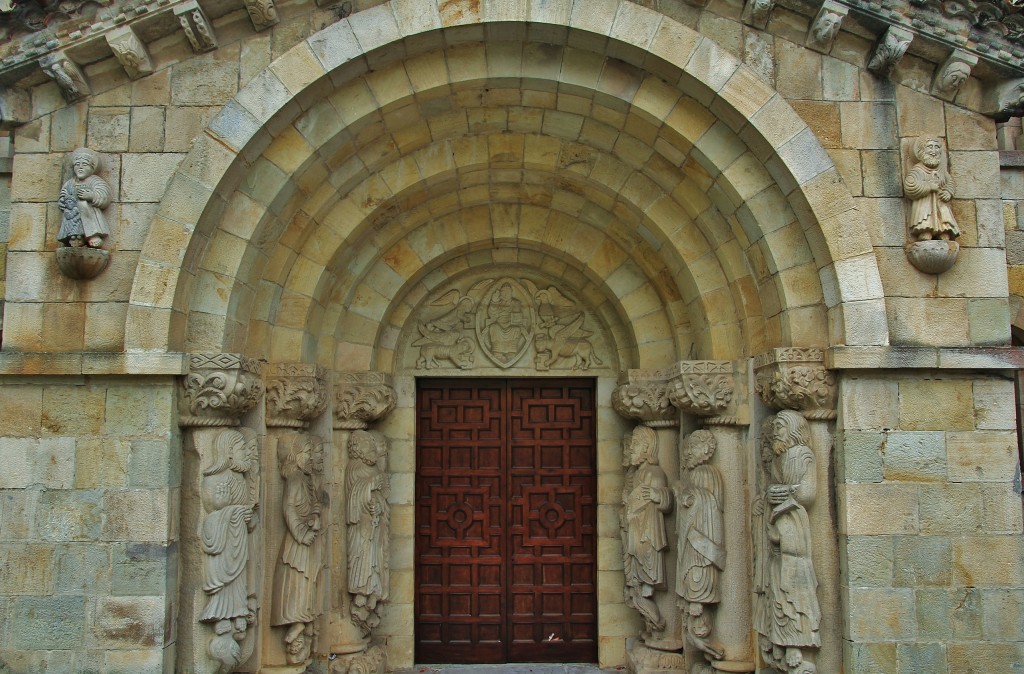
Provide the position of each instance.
(924, 358)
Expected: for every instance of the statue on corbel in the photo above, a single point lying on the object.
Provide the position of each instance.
(932, 228)
(83, 225)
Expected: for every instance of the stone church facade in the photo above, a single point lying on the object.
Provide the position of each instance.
(662, 335)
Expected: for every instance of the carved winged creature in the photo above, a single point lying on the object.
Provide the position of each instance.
(447, 328)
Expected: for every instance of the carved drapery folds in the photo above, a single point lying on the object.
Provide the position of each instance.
(361, 398)
(796, 378)
(296, 394)
(795, 382)
(368, 515)
(219, 388)
(229, 491)
(932, 228)
(297, 601)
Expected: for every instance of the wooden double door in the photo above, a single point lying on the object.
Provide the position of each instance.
(506, 503)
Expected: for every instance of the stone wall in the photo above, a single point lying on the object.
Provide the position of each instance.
(89, 493)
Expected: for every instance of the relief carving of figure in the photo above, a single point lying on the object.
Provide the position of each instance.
(369, 523)
(296, 601)
(230, 495)
(788, 615)
(506, 324)
(561, 333)
(701, 539)
(444, 337)
(646, 499)
(82, 200)
(930, 187)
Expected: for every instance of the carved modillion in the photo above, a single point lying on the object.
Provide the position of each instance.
(69, 77)
(757, 12)
(826, 25)
(229, 492)
(1004, 99)
(952, 74)
(196, 26)
(130, 52)
(262, 13)
(368, 516)
(890, 50)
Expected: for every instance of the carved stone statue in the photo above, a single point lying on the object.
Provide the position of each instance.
(788, 615)
(369, 523)
(701, 539)
(505, 328)
(930, 187)
(296, 601)
(230, 496)
(82, 200)
(646, 499)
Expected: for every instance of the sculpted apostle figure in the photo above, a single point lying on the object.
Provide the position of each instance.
(701, 539)
(82, 200)
(369, 523)
(929, 186)
(229, 493)
(789, 616)
(296, 601)
(646, 501)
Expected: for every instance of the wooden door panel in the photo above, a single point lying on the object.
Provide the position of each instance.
(505, 521)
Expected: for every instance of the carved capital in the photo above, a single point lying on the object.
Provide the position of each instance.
(644, 395)
(703, 387)
(826, 25)
(262, 12)
(296, 394)
(219, 388)
(362, 397)
(951, 75)
(69, 77)
(796, 379)
(890, 50)
(130, 51)
(197, 27)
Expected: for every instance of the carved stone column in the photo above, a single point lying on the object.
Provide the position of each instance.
(651, 464)
(221, 554)
(360, 398)
(297, 521)
(795, 450)
(709, 391)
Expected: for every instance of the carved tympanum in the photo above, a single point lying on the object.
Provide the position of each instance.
(219, 388)
(646, 498)
(932, 228)
(787, 615)
(230, 496)
(701, 557)
(297, 600)
(503, 319)
(368, 516)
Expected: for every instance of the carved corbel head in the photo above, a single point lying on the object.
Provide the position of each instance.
(890, 50)
(952, 74)
(130, 51)
(68, 76)
(825, 26)
(1003, 100)
(219, 388)
(296, 394)
(644, 395)
(703, 388)
(757, 12)
(796, 379)
(361, 398)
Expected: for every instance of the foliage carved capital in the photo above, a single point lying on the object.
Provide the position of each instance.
(296, 394)
(644, 395)
(219, 388)
(796, 379)
(703, 388)
(361, 398)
